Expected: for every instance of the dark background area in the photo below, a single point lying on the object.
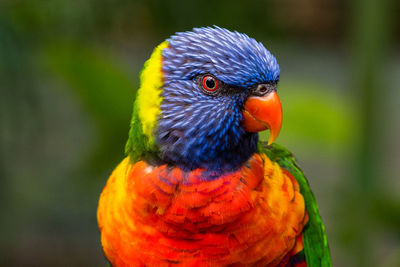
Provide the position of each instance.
(68, 73)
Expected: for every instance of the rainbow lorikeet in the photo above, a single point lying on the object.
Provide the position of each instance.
(197, 187)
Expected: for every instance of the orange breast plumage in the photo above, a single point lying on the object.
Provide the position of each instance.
(163, 216)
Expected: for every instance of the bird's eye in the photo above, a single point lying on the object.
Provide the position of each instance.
(210, 84)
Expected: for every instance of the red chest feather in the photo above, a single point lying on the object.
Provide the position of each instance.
(161, 216)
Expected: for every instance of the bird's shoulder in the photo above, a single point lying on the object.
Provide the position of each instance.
(316, 247)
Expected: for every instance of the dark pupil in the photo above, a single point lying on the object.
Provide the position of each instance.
(210, 83)
(262, 89)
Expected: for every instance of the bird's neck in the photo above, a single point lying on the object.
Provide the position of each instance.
(219, 157)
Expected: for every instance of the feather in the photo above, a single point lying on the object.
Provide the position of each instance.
(316, 247)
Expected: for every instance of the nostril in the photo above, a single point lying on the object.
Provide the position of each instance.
(262, 89)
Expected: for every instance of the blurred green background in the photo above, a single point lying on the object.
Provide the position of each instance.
(68, 72)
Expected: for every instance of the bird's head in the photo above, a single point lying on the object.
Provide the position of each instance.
(203, 97)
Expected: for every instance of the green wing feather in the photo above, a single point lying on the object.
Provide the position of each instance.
(316, 247)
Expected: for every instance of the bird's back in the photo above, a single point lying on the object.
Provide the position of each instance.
(163, 216)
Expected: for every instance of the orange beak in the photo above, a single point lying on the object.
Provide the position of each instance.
(263, 112)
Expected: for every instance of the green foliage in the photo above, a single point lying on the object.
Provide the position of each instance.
(316, 116)
(103, 87)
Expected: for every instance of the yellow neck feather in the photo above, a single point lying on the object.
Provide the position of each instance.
(149, 97)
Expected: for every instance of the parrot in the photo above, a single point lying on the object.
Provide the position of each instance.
(198, 187)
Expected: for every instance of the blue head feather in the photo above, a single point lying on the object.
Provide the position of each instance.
(198, 130)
